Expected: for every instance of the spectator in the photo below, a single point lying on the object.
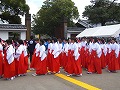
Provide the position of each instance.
(31, 47)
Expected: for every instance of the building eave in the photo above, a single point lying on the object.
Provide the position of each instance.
(74, 31)
(12, 27)
(1, 29)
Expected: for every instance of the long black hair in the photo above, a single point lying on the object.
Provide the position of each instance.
(9, 41)
(42, 41)
(20, 41)
(54, 39)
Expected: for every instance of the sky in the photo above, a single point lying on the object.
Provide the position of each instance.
(35, 5)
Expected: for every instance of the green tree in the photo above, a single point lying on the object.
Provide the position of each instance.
(12, 9)
(52, 13)
(102, 11)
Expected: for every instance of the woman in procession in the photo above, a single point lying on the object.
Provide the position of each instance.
(60, 46)
(25, 54)
(103, 55)
(69, 61)
(82, 51)
(1, 59)
(20, 55)
(49, 55)
(65, 54)
(55, 57)
(97, 55)
(113, 64)
(9, 63)
(77, 67)
(35, 56)
(41, 65)
(73, 66)
(108, 55)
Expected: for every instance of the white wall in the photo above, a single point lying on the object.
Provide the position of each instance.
(23, 35)
(68, 35)
(4, 35)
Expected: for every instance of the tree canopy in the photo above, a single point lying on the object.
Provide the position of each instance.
(102, 11)
(12, 9)
(52, 14)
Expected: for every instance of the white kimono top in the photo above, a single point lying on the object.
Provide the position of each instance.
(60, 47)
(1, 48)
(50, 47)
(96, 47)
(109, 48)
(10, 54)
(65, 48)
(55, 50)
(115, 47)
(19, 51)
(75, 49)
(25, 50)
(104, 47)
(42, 52)
(37, 47)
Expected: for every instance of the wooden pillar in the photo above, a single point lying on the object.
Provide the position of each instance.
(28, 25)
(65, 28)
(61, 31)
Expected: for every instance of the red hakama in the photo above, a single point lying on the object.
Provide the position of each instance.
(82, 56)
(103, 61)
(119, 60)
(69, 63)
(34, 61)
(87, 59)
(21, 65)
(9, 69)
(113, 64)
(64, 60)
(1, 63)
(41, 67)
(95, 63)
(55, 64)
(60, 58)
(108, 57)
(26, 62)
(16, 66)
(77, 66)
(49, 60)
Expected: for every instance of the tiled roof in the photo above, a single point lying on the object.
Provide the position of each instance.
(69, 29)
(12, 26)
(85, 23)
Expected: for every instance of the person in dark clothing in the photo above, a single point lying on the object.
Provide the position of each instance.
(46, 44)
(31, 47)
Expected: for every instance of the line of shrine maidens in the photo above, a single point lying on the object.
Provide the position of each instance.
(72, 55)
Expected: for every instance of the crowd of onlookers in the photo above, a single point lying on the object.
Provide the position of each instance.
(46, 57)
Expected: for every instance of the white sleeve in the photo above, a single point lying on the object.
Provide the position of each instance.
(99, 51)
(105, 50)
(117, 50)
(66, 48)
(18, 51)
(9, 53)
(55, 50)
(42, 50)
(90, 49)
(76, 53)
(37, 48)
(10, 56)
(75, 50)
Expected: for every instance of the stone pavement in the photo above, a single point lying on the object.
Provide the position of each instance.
(105, 81)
